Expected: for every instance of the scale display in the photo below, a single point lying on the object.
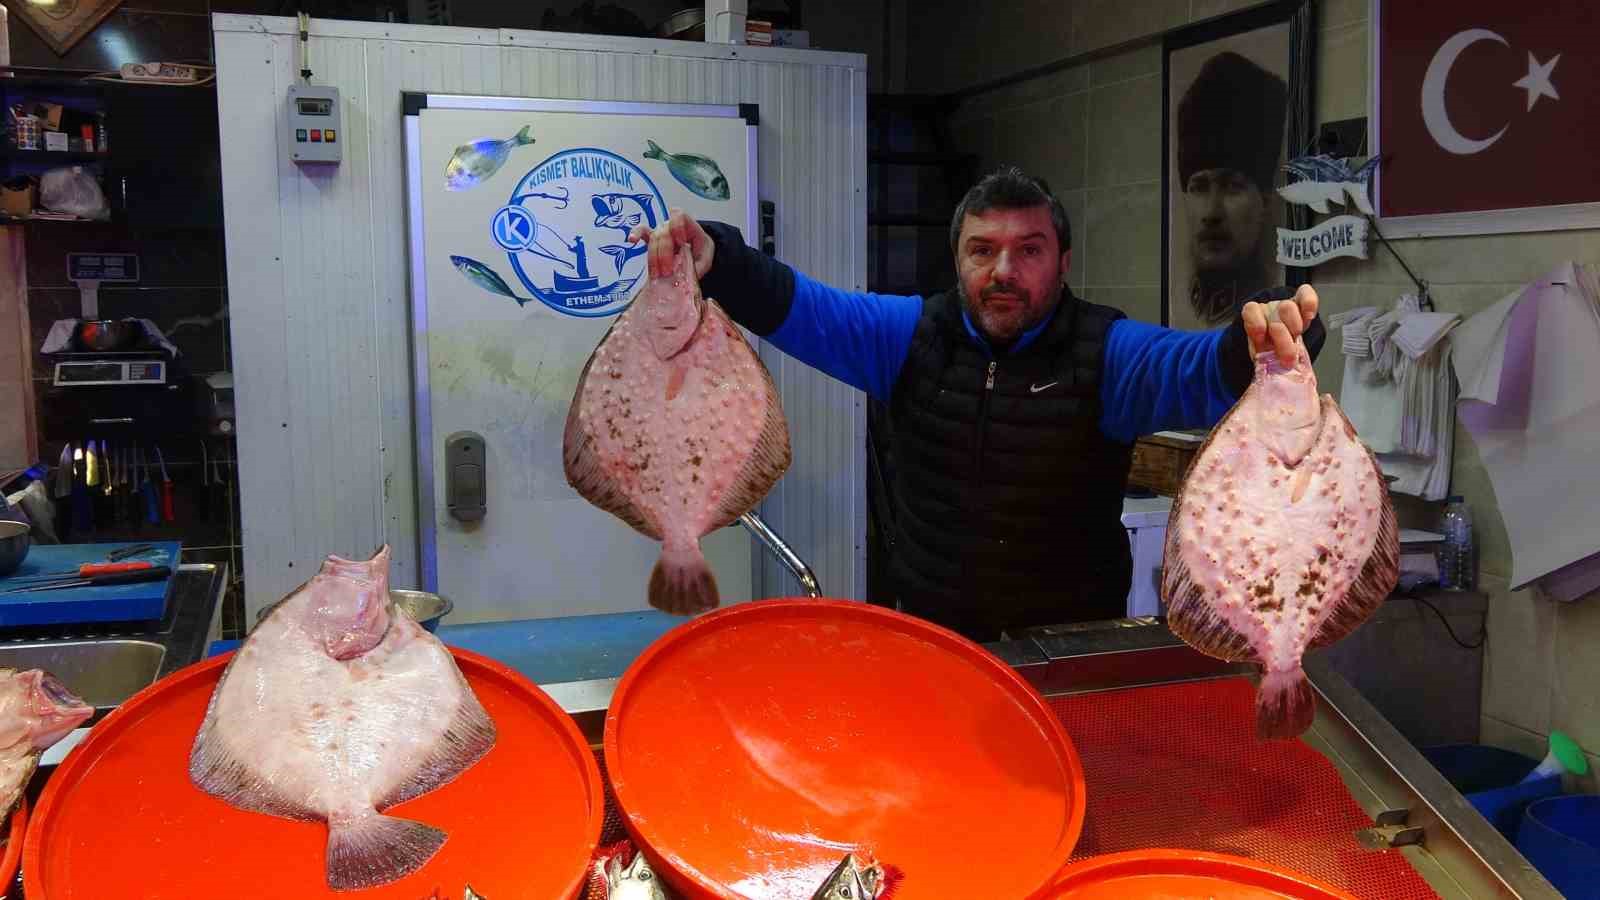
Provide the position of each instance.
(77, 374)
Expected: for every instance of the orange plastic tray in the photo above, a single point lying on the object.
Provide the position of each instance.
(11, 856)
(751, 748)
(120, 818)
(1151, 874)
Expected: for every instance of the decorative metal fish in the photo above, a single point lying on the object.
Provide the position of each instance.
(697, 173)
(858, 877)
(1282, 538)
(484, 277)
(475, 162)
(1325, 179)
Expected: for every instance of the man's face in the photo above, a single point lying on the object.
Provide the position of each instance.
(1226, 213)
(1010, 268)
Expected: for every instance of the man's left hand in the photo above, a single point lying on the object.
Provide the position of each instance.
(1280, 331)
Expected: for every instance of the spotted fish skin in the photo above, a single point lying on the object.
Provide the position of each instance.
(677, 429)
(1282, 538)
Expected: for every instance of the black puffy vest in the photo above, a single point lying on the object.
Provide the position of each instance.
(1007, 496)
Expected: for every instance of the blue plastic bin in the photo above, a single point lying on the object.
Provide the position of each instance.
(1488, 777)
(1561, 837)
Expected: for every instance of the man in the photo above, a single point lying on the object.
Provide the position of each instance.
(1229, 131)
(1014, 403)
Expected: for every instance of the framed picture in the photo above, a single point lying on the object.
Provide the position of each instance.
(1484, 114)
(61, 23)
(1236, 105)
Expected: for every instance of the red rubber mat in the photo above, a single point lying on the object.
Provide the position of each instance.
(1179, 766)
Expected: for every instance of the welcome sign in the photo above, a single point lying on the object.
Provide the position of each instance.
(1338, 236)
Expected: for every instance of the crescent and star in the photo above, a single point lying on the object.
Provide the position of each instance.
(1537, 83)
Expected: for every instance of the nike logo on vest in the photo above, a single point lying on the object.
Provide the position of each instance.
(1042, 387)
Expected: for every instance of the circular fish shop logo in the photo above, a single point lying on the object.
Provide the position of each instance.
(566, 229)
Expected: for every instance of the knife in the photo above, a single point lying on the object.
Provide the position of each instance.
(157, 573)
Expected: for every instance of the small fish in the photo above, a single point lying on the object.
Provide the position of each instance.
(697, 173)
(472, 894)
(858, 877)
(475, 162)
(484, 277)
(1282, 538)
(1324, 179)
(632, 881)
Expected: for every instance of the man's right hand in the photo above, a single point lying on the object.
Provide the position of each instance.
(680, 229)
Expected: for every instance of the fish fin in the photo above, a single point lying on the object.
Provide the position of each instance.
(471, 735)
(682, 582)
(371, 850)
(1379, 574)
(218, 772)
(525, 136)
(893, 877)
(584, 469)
(655, 151)
(1285, 704)
(772, 454)
(1189, 615)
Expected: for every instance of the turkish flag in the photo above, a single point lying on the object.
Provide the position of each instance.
(1487, 105)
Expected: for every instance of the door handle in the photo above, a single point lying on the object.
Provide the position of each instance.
(466, 485)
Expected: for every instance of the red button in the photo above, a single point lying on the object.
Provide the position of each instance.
(316, 135)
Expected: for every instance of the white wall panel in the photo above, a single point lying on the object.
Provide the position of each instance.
(317, 270)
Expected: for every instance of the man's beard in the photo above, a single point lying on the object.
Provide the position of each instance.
(1027, 310)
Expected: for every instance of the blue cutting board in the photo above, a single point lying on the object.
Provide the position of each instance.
(139, 602)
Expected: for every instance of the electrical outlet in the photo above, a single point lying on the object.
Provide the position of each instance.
(1346, 137)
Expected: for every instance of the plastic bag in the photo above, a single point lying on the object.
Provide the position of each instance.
(72, 190)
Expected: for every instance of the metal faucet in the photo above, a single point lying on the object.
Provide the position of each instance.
(783, 552)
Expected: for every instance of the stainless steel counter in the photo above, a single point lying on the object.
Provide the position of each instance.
(1451, 845)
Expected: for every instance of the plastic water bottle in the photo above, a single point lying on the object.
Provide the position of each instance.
(1457, 557)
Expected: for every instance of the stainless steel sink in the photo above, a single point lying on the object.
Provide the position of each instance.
(103, 672)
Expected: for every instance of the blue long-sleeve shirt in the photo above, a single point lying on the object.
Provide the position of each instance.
(1153, 378)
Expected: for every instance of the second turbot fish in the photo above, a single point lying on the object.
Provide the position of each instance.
(336, 707)
(676, 429)
(475, 162)
(1282, 538)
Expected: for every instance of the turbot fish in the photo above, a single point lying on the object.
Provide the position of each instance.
(36, 711)
(476, 162)
(697, 173)
(1282, 537)
(676, 428)
(484, 277)
(858, 877)
(338, 706)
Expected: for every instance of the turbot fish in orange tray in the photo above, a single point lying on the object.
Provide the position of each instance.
(676, 429)
(1282, 537)
(338, 706)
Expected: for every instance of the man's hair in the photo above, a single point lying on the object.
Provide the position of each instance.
(1008, 187)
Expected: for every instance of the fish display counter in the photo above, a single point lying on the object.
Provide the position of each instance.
(1098, 752)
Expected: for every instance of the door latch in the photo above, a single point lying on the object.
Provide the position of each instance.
(466, 483)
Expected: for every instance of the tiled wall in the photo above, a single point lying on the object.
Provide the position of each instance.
(1094, 132)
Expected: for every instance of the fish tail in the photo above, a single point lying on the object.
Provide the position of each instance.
(370, 850)
(892, 879)
(1285, 704)
(682, 582)
(655, 151)
(525, 136)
